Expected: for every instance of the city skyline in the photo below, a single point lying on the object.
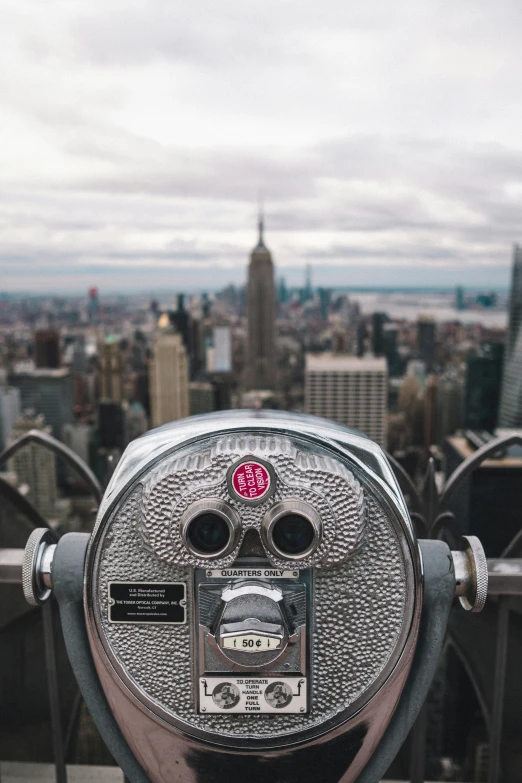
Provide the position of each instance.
(382, 138)
(354, 278)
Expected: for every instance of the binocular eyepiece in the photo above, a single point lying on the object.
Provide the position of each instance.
(253, 601)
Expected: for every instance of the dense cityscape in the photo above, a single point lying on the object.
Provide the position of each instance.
(97, 372)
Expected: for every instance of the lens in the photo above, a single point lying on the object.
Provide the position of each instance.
(293, 534)
(210, 528)
(292, 529)
(208, 533)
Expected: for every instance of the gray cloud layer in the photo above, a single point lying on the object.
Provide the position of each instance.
(135, 139)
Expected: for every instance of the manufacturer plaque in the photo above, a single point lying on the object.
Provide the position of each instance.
(147, 602)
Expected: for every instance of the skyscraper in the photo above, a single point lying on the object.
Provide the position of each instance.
(460, 303)
(325, 296)
(307, 291)
(201, 398)
(261, 314)
(47, 348)
(282, 291)
(391, 349)
(93, 308)
(450, 404)
(222, 339)
(350, 390)
(111, 425)
(10, 409)
(111, 370)
(34, 466)
(378, 321)
(510, 413)
(483, 379)
(190, 329)
(49, 392)
(426, 340)
(168, 378)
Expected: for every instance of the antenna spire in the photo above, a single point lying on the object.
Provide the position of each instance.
(261, 220)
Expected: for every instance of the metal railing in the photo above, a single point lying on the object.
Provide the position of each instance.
(430, 511)
(11, 573)
(433, 518)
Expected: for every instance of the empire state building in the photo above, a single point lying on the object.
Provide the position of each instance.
(261, 314)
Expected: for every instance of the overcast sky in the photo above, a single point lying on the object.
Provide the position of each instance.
(385, 138)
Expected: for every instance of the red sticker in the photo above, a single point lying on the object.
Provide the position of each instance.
(251, 480)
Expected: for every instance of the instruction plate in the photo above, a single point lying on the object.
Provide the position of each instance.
(253, 694)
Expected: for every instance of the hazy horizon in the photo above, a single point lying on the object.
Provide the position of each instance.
(355, 278)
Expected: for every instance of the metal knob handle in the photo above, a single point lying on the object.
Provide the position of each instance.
(37, 566)
(471, 574)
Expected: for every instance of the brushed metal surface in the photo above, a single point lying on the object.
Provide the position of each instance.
(376, 579)
(363, 602)
(183, 479)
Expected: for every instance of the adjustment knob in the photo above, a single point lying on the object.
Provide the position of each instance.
(36, 567)
(471, 574)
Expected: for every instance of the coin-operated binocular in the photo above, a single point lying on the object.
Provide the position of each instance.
(253, 603)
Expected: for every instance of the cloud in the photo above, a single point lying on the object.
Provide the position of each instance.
(137, 137)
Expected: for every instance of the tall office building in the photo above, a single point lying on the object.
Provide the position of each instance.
(431, 391)
(307, 290)
(450, 404)
(483, 380)
(426, 341)
(80, 361)
(93, 308)
(510, 413)
(47, 344)
(391, 349)
(35, 467)
(190, 329)
(411, 406)
(222, 349)
(202, 398)
(325, 297)
(282, 291)
(378, 345)
(111, 425)
(49, 392)
(181, 320)
(168, 380)
(261, 315)
(111, 369)
(10, 409)
(460, 302)
(350, 390)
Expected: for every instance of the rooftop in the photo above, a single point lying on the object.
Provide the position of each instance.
(338, 362)
(40, 372)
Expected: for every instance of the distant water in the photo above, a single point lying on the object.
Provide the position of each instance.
(439, 306)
